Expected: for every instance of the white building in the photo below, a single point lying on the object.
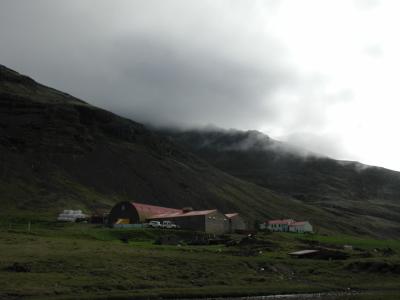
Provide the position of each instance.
(71, 215)
(288, 225)
(279, 225)
(303, 226)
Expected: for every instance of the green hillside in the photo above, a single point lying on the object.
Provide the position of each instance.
(58, 152)
(82, 261)
(364, 198)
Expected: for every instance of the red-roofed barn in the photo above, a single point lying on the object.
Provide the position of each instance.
(210, 221)
(136, 212)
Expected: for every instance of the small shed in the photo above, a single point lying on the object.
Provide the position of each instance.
(235, 222)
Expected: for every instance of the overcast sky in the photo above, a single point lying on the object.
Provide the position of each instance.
(320, 74)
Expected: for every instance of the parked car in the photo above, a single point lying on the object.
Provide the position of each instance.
(169, 225)
(155, 224)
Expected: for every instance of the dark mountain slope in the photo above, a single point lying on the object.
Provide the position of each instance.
(345, 189)
(58, 152)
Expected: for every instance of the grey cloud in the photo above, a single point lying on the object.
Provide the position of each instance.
(258, 141)
(190, 87)
(328, 145)
(187, 72)
(374, 51)
(366, 4)
(252, 140)
(186, 63)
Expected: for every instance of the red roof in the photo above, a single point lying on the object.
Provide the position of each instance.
(145, 211)
(298, 223)
(286, 221)
(181, 213)
(229, 216)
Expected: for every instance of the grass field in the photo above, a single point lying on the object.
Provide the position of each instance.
(65, 261)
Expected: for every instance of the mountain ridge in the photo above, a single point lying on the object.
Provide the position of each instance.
(343, 188)
(58, 152)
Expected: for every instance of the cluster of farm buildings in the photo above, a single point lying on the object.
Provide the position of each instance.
(209, 221)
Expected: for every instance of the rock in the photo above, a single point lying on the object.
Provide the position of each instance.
(19, 267)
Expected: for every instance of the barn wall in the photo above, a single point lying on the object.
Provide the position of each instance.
(308, 227)
(278, 227)
(123, 210)
(216, 223)
(190, 223)
(237, 223)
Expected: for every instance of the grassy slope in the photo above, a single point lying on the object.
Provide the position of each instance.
(362, 199)
(57, 152)
(78, 260)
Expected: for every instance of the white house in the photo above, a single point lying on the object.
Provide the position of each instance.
(303, 226)
(288, 225)
(279, 225)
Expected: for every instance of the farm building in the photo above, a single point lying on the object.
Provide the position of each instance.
(210, 221)
(134, 213)
(303, 226)
(235, 222)
(279, 225)
(289, 225)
